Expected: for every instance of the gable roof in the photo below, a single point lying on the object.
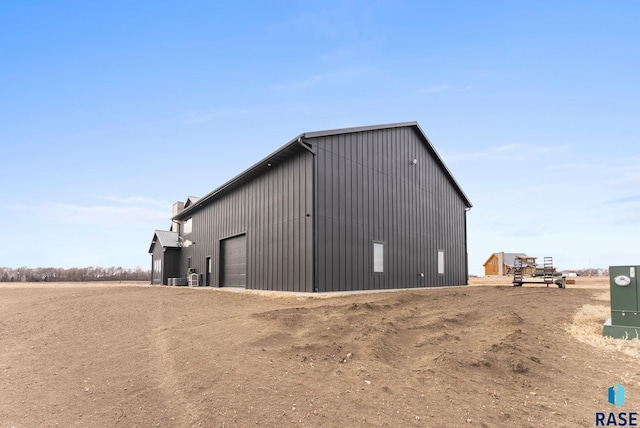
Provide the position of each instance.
(191, 200)
(165, 238)
(509, 257)
(297, 145)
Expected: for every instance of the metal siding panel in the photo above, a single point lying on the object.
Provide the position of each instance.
(297, 244)
(309, 229)
(321, 216)
(279, 282)
(157, 254)
(322, 259)
(335, 215)
(334, 255)
(322, 211)
(294, 278)
(353, 229)
(360, 243)
(414, 209)
(288, 236)
(343, 193)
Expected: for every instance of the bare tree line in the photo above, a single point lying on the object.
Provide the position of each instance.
(592, 272)
(113, 273)
(91, 273)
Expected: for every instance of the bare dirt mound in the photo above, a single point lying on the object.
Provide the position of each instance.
(160, 356)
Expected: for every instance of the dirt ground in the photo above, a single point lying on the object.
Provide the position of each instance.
(129, 355)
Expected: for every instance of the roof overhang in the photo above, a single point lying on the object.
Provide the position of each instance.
(285, 152)
(296, 146)
(166, 239)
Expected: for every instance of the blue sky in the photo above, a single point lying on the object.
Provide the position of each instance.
(111, 111)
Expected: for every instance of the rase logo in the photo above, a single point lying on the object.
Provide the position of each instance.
(615, 396)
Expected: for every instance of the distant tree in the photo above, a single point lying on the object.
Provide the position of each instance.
(91, 273)
(590, 271)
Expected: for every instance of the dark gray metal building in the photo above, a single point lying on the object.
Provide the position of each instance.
(165, 253)
(362, 208)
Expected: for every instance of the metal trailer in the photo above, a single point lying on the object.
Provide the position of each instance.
(518, 277)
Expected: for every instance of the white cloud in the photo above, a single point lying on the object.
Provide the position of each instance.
(629, 219)
(303, 84)
(343, 75)
(106, 214)
(435, 89)
(510, 148)
(568, 166)
(138, 200)
(464, 156)
(623, 172)
(513, 151)
(524, 148)
(204, 116)
(125, 211)
(347, 21)
(103, 214)
(115, 231)
(624, 200)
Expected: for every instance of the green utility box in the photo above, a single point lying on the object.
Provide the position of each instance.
(625, 303)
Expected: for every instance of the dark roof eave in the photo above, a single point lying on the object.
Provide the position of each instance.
(158, 239)
(316, 134)
(444, 167)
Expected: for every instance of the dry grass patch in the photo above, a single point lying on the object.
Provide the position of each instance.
(604, 296)
(586, 326)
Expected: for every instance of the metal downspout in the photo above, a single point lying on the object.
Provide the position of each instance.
(314, 205)
(466, 251)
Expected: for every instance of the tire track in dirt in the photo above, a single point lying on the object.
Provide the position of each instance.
(184, 413)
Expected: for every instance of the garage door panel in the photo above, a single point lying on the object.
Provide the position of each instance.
(234, 262)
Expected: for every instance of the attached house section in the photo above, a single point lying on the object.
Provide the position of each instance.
(165, 251)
